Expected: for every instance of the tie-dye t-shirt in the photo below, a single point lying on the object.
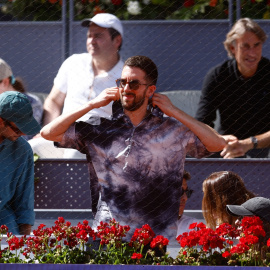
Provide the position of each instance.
(136, 172)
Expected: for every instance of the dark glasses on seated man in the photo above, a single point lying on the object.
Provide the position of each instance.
(133, 84)
(187, 191)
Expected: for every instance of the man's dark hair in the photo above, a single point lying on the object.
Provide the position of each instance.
(145, 64)
(114, 33)
(186, 175)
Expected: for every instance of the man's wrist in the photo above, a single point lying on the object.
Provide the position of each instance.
(254, 142)
(246, 145)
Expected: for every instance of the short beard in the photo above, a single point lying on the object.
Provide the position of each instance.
(135, 105)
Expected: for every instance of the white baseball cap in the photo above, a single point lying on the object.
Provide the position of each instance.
(5, 70)
(105, 20)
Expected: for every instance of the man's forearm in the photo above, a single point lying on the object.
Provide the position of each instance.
(213, 141)
(207, 135)
(263, 141)
(55, 130)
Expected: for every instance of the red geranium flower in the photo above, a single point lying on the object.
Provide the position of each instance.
(213, 3)
(142, 236)
(226, 254)
(189, 3)
(3, 229)
(226, 230)
(239, 249)
(249, 240)
(159, 241)
(117, 2)
(136, 256)
(53, 1)
(97, 10)
(112, 232)
(192, 226)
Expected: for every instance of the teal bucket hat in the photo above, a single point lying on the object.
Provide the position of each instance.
(15, 107)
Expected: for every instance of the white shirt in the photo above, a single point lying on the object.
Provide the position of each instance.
(76, 79)
(183, 224)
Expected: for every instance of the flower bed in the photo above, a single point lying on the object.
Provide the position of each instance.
(135, 9)
(66, 244)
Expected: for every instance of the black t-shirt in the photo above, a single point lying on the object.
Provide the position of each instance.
(244, 104)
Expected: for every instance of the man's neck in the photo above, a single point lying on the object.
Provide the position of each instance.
(247, 73)
(101, 65)
(136, 117)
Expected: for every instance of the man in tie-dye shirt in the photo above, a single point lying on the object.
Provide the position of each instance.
(136, 158)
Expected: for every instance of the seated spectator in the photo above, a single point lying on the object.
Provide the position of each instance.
(257, 206)
(220, 189)
(239, 87)
(17, 164)
(10, 83)
(82, 77)
(237, 148)
(183, 220)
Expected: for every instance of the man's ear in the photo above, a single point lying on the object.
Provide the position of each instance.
(151, 90)
(118, 41)
(232, 48)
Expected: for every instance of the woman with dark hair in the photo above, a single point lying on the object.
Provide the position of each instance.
(221, 189)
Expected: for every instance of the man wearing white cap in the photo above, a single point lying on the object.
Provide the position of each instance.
(17, 165)
(84, 76)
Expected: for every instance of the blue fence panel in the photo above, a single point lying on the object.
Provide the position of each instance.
(34, 50)
(64, 184)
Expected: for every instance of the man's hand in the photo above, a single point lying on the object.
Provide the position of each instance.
(208, 136)
(235, 148)
(229, 138)
(105, 97)
(164, 103)
(37, 136)
(54, 131)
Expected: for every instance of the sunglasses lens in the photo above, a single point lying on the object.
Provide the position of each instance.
(187, 191)
(121, 83)
(134, 85)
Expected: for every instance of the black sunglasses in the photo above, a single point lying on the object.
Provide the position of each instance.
(187, 191)
(133, 84)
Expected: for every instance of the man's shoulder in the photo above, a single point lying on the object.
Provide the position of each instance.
(22, 143)
(222, 67)
(222, 71)
(18, 146)
(171, 121)
(265, 64)
(117, 69)
(79, 58)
